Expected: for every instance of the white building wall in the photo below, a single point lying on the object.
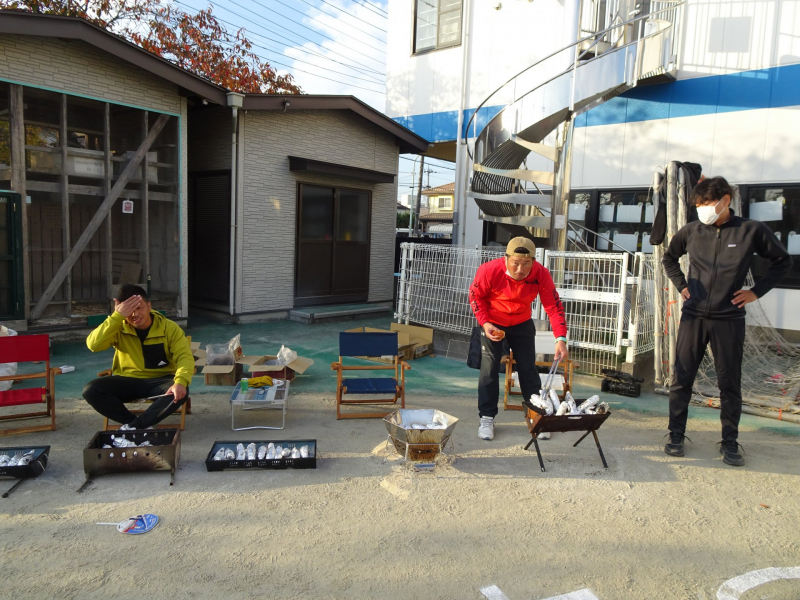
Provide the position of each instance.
(746, 132)
(424, 90)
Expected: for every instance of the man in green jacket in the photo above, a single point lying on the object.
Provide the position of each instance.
(152, 358)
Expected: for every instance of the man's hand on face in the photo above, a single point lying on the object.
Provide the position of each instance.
(561, 352)
(177, 391)
(493, 333)
(127, 308)
(743, 297)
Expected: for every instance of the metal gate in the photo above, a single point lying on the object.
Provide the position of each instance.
(607, 297)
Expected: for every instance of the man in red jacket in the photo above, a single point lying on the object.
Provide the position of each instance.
(501, 296)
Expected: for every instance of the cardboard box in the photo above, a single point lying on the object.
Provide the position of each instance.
(405, 349)
(256, 367)
(227, 375)
(421, 338)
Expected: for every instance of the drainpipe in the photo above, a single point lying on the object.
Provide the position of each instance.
(462, 157)
(235, 101)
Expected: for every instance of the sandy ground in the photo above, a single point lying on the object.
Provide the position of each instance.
(361, 527)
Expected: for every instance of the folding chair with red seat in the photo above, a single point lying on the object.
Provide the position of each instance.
(22, 349)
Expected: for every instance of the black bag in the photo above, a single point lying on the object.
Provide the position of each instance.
(474, 354)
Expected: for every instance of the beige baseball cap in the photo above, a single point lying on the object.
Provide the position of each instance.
(521, 247)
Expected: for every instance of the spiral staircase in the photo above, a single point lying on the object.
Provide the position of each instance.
(636, 48)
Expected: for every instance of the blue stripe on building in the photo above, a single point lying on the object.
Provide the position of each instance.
(775, 87)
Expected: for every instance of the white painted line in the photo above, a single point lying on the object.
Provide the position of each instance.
(493, 593)
(734, 588)
(585, 594)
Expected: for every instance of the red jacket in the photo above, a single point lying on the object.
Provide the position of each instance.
(498, 298)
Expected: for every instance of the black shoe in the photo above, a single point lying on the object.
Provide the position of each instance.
(675, 445)
(730, 453)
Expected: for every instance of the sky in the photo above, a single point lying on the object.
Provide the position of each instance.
(330, 47)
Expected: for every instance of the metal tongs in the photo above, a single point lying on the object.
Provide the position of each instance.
(550, 375)
(545, 388)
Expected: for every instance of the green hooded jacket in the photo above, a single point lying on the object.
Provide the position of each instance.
(165, 352)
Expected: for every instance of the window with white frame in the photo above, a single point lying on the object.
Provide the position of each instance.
(437, 24)
(778, 207)
(445, 203)
(625, 219)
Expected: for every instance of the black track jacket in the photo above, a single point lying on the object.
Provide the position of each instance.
(719, 258)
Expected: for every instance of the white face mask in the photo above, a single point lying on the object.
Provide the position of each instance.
(708, 214)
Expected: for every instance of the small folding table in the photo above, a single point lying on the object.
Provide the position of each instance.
(274, 397)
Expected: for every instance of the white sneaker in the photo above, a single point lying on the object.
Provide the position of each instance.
(545, 435)
(486, 429)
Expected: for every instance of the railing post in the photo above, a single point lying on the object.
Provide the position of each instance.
(410, 264)
(401, 293)
(623, 284)
(633, 321)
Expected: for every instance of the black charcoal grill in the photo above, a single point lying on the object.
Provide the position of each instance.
(163, 455)
(39, 460)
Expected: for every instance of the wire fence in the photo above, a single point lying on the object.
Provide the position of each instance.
(600, 291)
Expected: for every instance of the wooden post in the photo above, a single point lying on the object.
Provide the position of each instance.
(145, 256)
(98, 217)
(109, 172)
(17, 126)
(65, 223)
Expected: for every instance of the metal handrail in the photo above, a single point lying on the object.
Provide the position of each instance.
(675, 4)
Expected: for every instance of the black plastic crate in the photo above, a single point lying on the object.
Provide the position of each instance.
(272, 463)
(35, 468)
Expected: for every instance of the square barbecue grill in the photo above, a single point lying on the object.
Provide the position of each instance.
(162, 455)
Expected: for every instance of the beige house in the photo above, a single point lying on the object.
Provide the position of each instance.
(439, 219)
(119, 167)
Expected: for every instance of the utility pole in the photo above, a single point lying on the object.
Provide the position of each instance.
(416, 231)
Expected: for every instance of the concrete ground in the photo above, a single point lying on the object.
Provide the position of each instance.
(363, 525)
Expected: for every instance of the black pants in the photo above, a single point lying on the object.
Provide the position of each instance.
(727, 345)
(521, 338)
(108, 395)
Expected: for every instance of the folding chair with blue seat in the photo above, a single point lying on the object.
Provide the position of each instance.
(360, 345)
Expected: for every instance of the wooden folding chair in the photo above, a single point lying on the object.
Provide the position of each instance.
(359, 346)
(185, 409)
(21, 349)
(565, 369)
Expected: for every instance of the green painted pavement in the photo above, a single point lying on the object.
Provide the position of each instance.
(428, 375)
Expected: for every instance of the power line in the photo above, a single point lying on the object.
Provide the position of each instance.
(302, 36)
(312, 64)
(380, 8)
(438, 165)
(363, 70)
(315, 54)
(345, 12)
(369, 7)
(320, 76)
(318, 33)
(329, 26)
(291, 41)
